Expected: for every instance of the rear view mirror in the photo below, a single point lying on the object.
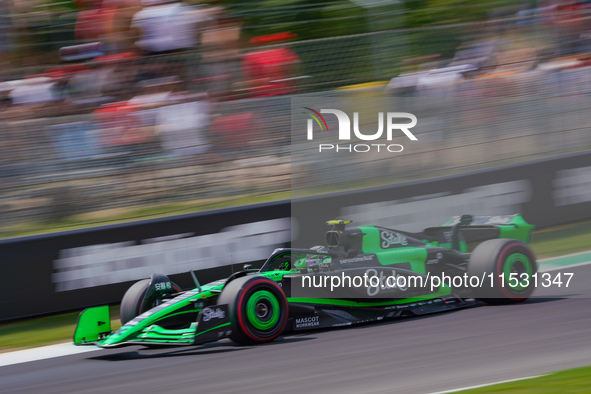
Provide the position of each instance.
(466, 220)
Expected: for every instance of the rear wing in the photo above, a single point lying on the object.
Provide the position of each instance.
(486, 227)
(498, 220)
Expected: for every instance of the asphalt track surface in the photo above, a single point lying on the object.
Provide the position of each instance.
(427, 354)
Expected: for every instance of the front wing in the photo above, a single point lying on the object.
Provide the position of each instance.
(94, 328)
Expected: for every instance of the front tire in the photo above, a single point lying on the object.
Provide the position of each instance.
(135, 300)
(258, 309)
(507, 265)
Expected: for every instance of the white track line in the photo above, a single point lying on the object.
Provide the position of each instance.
(42, 353)
(487, 384)
(565, 255)
(548, 268)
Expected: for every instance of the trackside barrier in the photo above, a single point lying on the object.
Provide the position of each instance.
(75, 269)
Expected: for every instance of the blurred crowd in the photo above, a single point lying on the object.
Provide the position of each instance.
(144, 76)
(112, 82)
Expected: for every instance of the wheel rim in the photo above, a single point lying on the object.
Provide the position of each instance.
(262, 310)
(517, 263)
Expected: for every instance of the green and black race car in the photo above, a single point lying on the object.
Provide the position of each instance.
(362, 274)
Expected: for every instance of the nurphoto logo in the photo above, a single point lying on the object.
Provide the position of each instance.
(393, 125)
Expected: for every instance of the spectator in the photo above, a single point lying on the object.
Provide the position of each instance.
(108, 79)
(180, 128)
(129, 127)
(166, 26)
(271, 72)
(121, 31)
(5, 100)
(94, 20)
(116, 128)
(63, 88)
(570, 22)
(221, 53)
(236, 135)
(6, 38)
(27, 23)
(118, 75)
(156, 92)
(34, 90)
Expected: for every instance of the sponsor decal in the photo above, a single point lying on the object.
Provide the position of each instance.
(209, 314)
(358, 259)
(500, 219)
(448, 236)
(572, 186)
(163, 286)
(438, 257)
(310, 321)
(390, 238)
(160, 307)
(483, 220)
(105, 264)
(381, 282)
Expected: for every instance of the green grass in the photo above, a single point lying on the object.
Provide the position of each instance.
(43, 331)
(48, 330)
(576, 380)
(561, 240)
(138, 213)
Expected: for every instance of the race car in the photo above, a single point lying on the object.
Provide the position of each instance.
(362, 274)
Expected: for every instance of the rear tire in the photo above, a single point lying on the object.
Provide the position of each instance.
(134, 302)
(500, 258)
(258, 309)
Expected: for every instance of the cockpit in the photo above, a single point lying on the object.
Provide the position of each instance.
(315, 259)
